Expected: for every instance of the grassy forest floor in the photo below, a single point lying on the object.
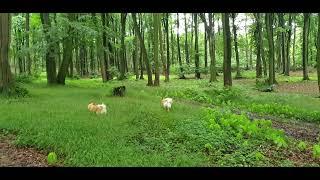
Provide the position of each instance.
(207, 126)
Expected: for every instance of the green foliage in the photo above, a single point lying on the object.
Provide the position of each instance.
(52, 158)
(23, 78)
(316, 151)
(302, 146)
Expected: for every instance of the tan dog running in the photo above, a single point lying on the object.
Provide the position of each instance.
(167, 103)
(97, 108)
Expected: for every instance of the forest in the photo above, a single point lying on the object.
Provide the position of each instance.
(160, 89)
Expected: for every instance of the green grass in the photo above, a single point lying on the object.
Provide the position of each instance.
(136, 131)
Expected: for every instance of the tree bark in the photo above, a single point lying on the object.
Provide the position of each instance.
(50, 56)
(305, 45)
(123, 50)
(6, 80)
(181, 76)
(186, 39)
(196, 47)
(168, 48)
(258, 44)
(238, 75)
(318, 52)
(269, 28)
(156, 22)
(28, 59)
(67, 53)
(227, 79)
(145, 56)
(287, 68)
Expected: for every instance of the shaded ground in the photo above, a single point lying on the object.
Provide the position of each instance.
(12, 156)
(296, 129)
(309, 88)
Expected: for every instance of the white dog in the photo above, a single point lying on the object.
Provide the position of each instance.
(167, 103)
(97, 108)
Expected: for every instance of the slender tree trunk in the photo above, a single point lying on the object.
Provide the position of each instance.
(141, 52)
(181, 76)
(168, 44)
(305, 45)
(263, 58)
(269, 28)
(258, 42)
(123, 50)
(238, 75)
(163, 61)
(283, 49)
(145, 56)
(247, 43)
(156, 22)
(172, 44)
(6, 80)
(186, 39)
(227, 79)
(287, 68)
(50, 56)
(318, 52)
(205, 50)
(135, 55)
(196, 47)
(294, 43)
(211, 34)
(67, 53)
(27, 44)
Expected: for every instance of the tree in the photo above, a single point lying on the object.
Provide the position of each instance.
(156, 23)
(318, 52)
(143, 48)
(166, 24)
(294, 43)
(28, 59)
(238, 75)
(287, 67)
(210, 31)
(123, 50)
(305, 35)
(186, 39)
(227, 50)
(283, 44)
(179, 53)
(196, 47)
(67, 52)
(269, 28)
(50, 56)
(258, 44)
(6, 80)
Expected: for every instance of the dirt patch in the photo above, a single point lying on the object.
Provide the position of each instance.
(12, 156)
(296, 129)
(304, 87)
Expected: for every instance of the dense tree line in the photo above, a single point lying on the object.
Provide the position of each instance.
(117, 45)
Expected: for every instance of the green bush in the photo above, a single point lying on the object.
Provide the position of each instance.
(302, 146)
(316, 151)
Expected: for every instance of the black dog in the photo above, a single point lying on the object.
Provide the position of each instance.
(119, 91)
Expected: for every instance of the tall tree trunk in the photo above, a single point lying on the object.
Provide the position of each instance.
(318, 52)
(135, 55)
(27, 44)
(269, 28)
(305, 45)
(196, 47)
(172, 44)
(186, 39)
(156, 23)
(287, 68)
(168, 44)
(123, 50)
(6, 80)
(258, 42)
(106, 54)
(294, 44)
(50, 56)
(145, 56)
(141, 52)
(247, 43)
(181, 76)
(238, 75)
(164, 68)
(67, 53)
(205, 50)
(211, 34)
(227, 79)
(263, 58)
(283, 49)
